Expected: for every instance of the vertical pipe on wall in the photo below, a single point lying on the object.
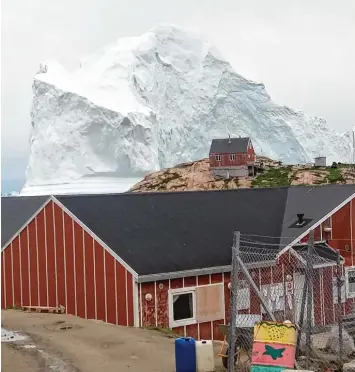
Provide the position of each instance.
(135, 302)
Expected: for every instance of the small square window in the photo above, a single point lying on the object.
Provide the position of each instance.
(218, 157)
(183, 306)
(232, 156)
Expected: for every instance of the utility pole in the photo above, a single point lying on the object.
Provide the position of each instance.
(309, 278)
(233, 301)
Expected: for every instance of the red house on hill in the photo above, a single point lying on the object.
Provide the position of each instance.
(232, 157)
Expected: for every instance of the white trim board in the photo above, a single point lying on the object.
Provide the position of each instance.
(199, 272)
(341, 205)
(93, 235)
(4, 246)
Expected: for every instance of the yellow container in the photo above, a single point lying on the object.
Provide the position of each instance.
(274, 332)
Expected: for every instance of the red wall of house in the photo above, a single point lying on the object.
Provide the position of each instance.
(240, 159)
(54, 261)
(341, 235)
(156, 311)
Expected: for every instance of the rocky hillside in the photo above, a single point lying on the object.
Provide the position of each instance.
(196, 176)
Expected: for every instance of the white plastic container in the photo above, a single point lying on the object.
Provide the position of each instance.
(204, 356)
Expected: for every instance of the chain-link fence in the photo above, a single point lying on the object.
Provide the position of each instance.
(303, 285)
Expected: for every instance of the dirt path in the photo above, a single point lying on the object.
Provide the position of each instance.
(16, 360)
(72, 344)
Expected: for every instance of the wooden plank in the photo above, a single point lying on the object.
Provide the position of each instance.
(44, 309)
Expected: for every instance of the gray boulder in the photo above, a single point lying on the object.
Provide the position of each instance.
(349, 367)
(333, 342)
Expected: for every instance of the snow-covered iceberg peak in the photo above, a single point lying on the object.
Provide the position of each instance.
(143, 103)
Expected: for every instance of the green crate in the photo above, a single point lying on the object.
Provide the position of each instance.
(267, 369)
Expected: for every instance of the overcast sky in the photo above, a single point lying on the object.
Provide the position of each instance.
(304, 53)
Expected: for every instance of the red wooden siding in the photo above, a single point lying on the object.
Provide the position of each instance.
(156, 311)
(341, 233)
(240, 158)
(54, 261)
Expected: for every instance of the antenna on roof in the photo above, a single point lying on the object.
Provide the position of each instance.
(229, 138)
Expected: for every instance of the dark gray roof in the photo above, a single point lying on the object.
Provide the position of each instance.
(321, 254)
(226, 146)
(167, 232)
(315, 202)
(15, 212)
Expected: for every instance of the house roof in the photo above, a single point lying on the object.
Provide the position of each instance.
(15, 213)
(226, 146)
(168, 232)
(322, 253)
(314, 202)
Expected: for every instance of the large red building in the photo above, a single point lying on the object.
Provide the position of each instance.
(163, 259)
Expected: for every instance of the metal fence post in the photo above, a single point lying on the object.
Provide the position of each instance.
(233, 301)
(340, 307)
(309, 278)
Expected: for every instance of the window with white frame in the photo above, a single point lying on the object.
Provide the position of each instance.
(182, 307)
(232, 156)
(218, 157)
(196, 304)
(350, 282)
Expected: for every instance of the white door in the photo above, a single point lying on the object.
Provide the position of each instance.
(299, 283)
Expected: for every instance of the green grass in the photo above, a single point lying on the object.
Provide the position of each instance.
(166, 331)
(273, 177)
(334, 175)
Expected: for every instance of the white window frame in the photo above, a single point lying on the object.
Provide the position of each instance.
(347, 270)
(232, 157)
(249, 156)
(183, 322)
(218, 157)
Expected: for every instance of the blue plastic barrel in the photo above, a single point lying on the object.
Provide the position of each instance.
(185, 354)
